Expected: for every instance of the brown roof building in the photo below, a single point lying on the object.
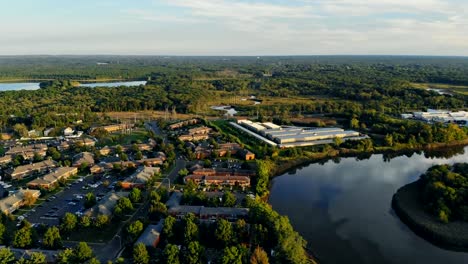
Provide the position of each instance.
(6, 159)
(83, 158)
(183, 123)
(30, 169)
(140, 177)
(11, 203)
(52, 179)
(219, 180)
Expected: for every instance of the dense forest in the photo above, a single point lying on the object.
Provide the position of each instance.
(444, 191)
(371, 91)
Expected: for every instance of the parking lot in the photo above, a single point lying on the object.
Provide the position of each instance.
(71, 199)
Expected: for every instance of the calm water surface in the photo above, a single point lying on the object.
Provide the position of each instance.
(35, 86)
(18, 86)
(344, 210)
(113, 84)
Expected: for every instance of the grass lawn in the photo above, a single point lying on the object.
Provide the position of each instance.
(138, 135)
(95, 235)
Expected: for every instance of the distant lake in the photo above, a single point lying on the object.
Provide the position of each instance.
(113, 84)
(18, 86)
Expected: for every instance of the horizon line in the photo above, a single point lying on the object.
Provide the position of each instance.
(280, 55)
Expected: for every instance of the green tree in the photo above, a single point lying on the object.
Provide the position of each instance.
(34, 258)
(6, 256)
(94, 261)
(168, 228)
(125, 204)
(134, 229)
(90, 200)
(138, 155)
(354, 123)
(190, 231)
(101, 221)
(194, 253)
(37, 157)
(23, 237)
(82, 252)
(229, 199)
(84, 166)
(69, 222)
(259, 256)
(231, 255)
(183, 172)
(157, 209)
(337, 141)
(140, 254)
(52, 239)
(135, 195)
(85, 221)
(224, 233)
(66, 256)
(21, 130)
(2, 232)
(171, 254)
(389, 140)
(29, 199)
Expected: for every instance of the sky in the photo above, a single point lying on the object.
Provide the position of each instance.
(234, 27)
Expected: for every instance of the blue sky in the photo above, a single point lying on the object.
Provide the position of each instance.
(234, 27)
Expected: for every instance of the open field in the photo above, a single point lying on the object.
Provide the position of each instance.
(145, 115)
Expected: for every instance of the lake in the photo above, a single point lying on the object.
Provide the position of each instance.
(18, 86)
(344, 209)
(35, 86)
(113, 84)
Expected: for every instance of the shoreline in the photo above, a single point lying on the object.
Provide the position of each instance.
(283, 166)
(451, 236)
(81, 80)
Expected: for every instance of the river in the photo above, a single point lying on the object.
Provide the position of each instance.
(344, 209)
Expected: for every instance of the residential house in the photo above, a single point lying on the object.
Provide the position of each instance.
(19, 150)
(181, 124)
(83, 158)
(84, 142)
(5, 159)
(140, 177)
(114, 128)
(51, 179)
(243, 181)
(105, 151)
(68, 131)
(64, 145)
(200, 130)
(30, 169)
(223, 172)
(11, 203)
(246, 154)
(101, 168)
(151, 161)
(106, 205)
(229, 213)
(194, 137)
(151, 235)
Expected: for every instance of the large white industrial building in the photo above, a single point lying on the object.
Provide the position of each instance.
(443, 116)
(291, 136)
